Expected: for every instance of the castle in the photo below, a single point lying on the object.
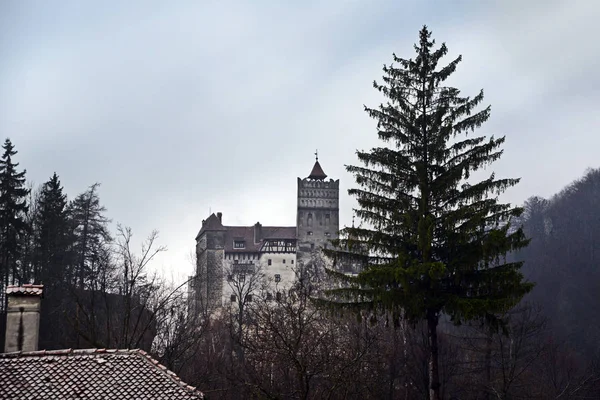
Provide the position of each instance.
(228, 256)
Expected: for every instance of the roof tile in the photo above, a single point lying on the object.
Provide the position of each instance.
(89, 373)
(246, 233)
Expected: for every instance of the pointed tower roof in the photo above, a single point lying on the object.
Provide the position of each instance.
(317, 171)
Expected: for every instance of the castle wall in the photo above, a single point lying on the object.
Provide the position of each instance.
(199, 285)
(282, 264)
(209, 276)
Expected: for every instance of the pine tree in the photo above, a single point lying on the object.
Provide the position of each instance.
(90, 228)
(27, 240)
(53, 239)
(437, 241)
(13, 207)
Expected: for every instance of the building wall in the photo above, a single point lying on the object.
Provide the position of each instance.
(282, 264)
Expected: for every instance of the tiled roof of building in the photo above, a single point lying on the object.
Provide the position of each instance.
(317, 172)
(27, 289)
(246, 233)
(89, 374)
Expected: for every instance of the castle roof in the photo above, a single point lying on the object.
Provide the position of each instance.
(254, 236)
(212, 223)
(317, 172)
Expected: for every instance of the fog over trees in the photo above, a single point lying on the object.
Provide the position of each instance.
(461, 295)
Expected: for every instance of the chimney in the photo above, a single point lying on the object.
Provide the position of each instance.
(220, 216)
(257, 232)
(23, 318)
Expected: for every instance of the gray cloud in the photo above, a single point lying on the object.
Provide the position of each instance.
(181, 108)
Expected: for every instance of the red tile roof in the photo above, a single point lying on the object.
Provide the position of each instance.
(27, 289)
(89, 374)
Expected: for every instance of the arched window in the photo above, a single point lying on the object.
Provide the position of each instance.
(309, 220)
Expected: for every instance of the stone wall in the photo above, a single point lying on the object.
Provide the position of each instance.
(208, 283)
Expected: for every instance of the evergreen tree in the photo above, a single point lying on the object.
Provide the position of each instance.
(53, 239)
(27, 240)
(13, 207)
(437, 241)
(90, 228)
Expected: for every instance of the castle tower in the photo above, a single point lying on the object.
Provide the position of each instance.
(317, 218)
(208, 284)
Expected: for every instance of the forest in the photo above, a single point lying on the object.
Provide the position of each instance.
(461, 297)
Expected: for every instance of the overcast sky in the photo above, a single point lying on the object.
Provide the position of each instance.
(182, 107)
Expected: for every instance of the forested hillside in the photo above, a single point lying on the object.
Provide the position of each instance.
(563, 258)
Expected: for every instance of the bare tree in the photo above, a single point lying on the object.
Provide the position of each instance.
(245, 282)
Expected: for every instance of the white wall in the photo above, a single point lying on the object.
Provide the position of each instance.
(286, 270)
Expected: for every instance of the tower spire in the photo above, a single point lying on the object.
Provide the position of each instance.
(317, 171)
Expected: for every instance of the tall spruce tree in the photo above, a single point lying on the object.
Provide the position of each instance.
(90, 229)
(13, 207)
(53, 240)
(437, 241)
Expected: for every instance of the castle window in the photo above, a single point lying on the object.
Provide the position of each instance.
(292, 261)
(235, 261)
(230, 277)
(238, 244)
(233, 298)
(327, 219)
(277, 278)
(248, 298)
(309, 219)
(269, 296)
(242, 277)
(284, 260)
(278, 295)
(269, 261)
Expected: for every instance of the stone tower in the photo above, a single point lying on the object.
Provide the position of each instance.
(317, 218)
(210, 245)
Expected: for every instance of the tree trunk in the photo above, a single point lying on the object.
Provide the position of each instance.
(488, 365)
(434, 375)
